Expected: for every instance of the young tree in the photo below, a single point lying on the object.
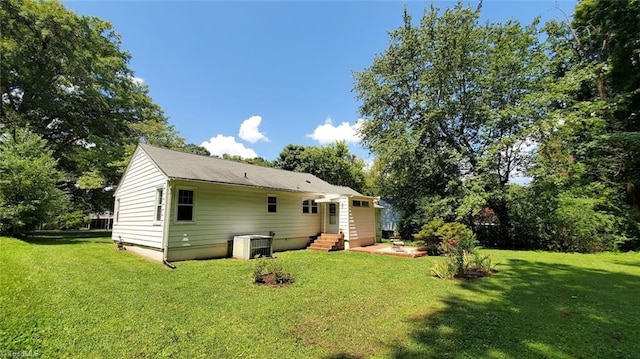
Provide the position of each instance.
(29, 194)
(450, 107)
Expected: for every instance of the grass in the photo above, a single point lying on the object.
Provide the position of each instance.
(82, 298)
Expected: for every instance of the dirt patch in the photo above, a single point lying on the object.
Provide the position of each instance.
(476, 273)
(272, 280)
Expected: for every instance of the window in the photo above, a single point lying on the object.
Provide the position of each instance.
(365, 203)
(332, 213)
(117, 210)
(272, 204)
(356, 203)
(185, 206)
(159, 200)
(309, 206)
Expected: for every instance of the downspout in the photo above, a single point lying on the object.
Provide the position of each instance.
(165, 226)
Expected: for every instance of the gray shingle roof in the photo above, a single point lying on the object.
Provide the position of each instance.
(187, 166)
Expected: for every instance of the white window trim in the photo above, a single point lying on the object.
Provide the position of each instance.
(267, 204)
(116, 211)
(193, 206)
(312, 204)
(157, 221)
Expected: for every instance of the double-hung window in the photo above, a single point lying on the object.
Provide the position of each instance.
(117, 211)
(158, 207)
(272, 204)
(309, 206)
(185, 208)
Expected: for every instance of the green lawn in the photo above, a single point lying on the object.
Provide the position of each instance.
(83, 298)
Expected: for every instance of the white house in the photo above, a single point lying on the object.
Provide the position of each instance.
(176, 206)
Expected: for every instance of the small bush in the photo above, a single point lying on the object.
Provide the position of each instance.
(444, 270)
(429, 236)
(270, 272)
(459, 245)
(477, 265)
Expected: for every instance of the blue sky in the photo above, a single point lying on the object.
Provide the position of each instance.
(248, 78)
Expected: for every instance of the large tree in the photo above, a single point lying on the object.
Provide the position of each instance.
(450, 107)
(66, 78)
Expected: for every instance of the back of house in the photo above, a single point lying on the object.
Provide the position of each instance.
(172, 206)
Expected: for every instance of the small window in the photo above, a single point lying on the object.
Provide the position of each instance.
(357, 203)
(365, 203)
(185, 206)
(117, 210)
(159, 200)
(309, 206)
(272, 204)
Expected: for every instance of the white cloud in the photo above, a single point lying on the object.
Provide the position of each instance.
(249, 130)
(137, 80)
(328, 133)
(221, 144)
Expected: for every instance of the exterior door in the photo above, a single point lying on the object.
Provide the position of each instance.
(332, 218)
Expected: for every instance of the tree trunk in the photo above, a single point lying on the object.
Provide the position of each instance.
(499, 207)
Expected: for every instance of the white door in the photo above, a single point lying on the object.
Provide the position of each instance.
(332, 217)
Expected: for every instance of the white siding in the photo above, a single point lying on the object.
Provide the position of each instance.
(344, 217)
(224, 211)
(136, 195)
(361, 220)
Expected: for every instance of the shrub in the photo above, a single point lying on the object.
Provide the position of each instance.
(457, 241)
(29, 193)
(477, 265)
(583, 220)
(429, 236)
(444, 270)
(459, 245)
(270, 272)
(72, 220)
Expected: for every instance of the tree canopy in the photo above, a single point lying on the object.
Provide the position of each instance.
(333, 163)
(66, 78)
(456, 108)
(450, 107)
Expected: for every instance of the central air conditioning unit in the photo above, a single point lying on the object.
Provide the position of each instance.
(251, 245)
